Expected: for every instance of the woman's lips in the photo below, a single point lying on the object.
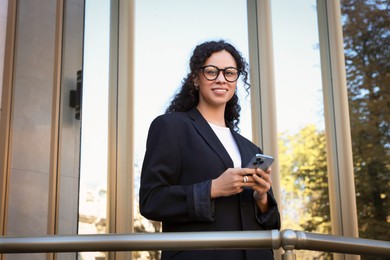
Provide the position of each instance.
(220, 90)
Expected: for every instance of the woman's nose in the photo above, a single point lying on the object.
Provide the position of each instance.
(221, 77)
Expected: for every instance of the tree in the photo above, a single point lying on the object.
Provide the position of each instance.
(367, 57)
(305, 178)
(305, 196)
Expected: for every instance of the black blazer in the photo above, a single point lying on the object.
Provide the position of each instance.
(183, 155)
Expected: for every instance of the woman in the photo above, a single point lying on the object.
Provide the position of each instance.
(192, 177)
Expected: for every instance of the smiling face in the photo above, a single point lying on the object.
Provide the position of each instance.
(216, 93)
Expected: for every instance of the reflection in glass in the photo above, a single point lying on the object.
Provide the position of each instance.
(302, 143)
(366, 41)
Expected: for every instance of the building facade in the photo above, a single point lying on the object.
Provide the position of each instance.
(43, 122)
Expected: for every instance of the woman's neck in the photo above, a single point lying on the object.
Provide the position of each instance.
(215, 116)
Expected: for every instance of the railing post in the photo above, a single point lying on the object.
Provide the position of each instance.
(289, 240)
(288, 255)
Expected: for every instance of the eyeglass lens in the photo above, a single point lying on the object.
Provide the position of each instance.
(211, 73)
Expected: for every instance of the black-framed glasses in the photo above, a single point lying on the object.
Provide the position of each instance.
(211, 72)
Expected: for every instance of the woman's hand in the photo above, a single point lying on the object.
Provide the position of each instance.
(263, 185)
(232, 181)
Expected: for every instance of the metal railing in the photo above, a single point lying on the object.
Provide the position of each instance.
(287, 239)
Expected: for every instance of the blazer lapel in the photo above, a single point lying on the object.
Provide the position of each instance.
(210, 137)
(246, 154)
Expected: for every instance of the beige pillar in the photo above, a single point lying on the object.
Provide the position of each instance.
(6, 104)
(121, 163)
(338, 134)
(265, 132)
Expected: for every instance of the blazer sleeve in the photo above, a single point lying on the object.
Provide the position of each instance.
(271, 218)
(162, 197)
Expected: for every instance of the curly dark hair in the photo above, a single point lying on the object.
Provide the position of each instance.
(188, 96)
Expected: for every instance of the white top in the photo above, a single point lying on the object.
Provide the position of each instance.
(227, 139)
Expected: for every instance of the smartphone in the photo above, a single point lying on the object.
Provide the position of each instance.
(260, 161)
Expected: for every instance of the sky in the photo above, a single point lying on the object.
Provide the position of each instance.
(297, 65)
(94, 125)
(166, 33)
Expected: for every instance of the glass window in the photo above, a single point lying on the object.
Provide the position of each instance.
(300, 119)
(166, 33)
(94, 123)
(366, 43)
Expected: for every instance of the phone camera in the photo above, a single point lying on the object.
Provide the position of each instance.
(259, 161)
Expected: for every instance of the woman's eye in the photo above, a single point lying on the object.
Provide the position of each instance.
(231, 72)
(211, 72)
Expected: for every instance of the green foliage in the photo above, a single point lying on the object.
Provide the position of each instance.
(367, 57)
(305, 197)
(304, 180)
(302, 156)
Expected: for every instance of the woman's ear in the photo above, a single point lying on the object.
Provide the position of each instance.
(196, 83)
